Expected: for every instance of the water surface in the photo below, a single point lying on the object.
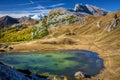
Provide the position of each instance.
(56, 62)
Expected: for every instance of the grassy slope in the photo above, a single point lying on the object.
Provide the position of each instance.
(107, 42)
(88, 37)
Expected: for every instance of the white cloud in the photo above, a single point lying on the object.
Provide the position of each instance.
(14, 15)
(18, 14)
(39, 7)
(57, 5)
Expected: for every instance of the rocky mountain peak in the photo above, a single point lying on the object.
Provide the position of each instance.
(81, 8)
(89, 9)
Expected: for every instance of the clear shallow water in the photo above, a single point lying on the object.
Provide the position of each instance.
(57, 62)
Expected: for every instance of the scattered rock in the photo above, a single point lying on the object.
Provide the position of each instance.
(98, 24)
(113, 24)
(10, 48)
(5, 48)
(79, 75)
(2, 51)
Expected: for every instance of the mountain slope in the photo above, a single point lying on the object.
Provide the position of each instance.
(26, 20)
(7, 21)
(89, 9)
(63, 16)
(94, 35)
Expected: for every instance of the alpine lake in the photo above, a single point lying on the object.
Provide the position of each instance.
(60, 63)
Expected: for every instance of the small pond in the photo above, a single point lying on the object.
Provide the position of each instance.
(56, 62)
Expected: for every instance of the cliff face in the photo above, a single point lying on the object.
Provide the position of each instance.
(9, 73)
(89, 9)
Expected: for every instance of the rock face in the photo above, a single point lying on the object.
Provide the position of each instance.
(26, 20)
(113, 24)
(59, 16)
(9, 73)
(89, 9)
(81, 8)
(63, 16)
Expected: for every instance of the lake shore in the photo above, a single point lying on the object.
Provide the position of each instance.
(110, 67)
(104, 51)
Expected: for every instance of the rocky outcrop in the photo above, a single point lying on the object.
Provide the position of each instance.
(98, 24)
(56, 17)
(63, 16)
(113, 24)
(89, 9)
(26, 21)
(9, 73)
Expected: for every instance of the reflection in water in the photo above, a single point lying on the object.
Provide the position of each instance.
(57, 62)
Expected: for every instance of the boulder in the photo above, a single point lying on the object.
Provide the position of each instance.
(79, 75)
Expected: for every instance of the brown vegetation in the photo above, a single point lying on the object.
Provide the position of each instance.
(86, 36)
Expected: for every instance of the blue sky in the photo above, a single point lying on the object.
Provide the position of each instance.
(18, 8)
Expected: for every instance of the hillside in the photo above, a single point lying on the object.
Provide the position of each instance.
(64, 16)
(58, 16)
(64, 29)
(7, 21)
(99, 34)
(15, 32)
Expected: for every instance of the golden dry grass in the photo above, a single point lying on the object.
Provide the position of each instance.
(88, 37)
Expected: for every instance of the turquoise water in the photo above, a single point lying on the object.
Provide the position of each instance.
(56, 62)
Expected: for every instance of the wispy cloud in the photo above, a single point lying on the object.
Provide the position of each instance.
(39, 7)
(57, 5)
(24, 12)
(34, 2)
(31, 2)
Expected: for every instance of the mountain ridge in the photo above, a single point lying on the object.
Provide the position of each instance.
(7, 21)
(90, 9)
